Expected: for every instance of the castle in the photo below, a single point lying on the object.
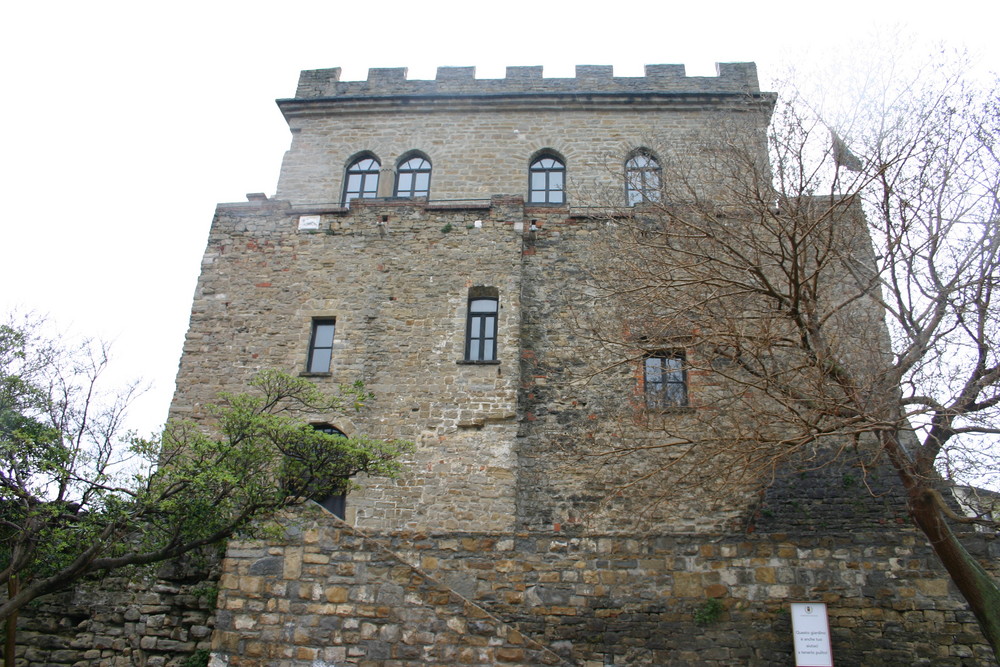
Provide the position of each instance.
(434, 239)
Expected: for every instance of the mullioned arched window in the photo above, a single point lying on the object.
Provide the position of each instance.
(547, 180)
(413, 177)
(642, 178)
(361, 181)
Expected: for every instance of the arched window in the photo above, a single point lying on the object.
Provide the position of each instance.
(413, 177)
(642, 179)
(547, 181)
(329, 430)
(362, 179)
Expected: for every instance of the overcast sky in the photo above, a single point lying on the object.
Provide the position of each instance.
(124, 123)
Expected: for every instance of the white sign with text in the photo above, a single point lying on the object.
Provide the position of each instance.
(812, 635)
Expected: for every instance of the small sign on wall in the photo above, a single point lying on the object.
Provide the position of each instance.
(308, 222)
(811, 632)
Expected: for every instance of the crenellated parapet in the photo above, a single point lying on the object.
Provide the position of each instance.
(480, 135)
(733, 78)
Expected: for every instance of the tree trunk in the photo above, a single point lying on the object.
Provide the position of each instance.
(975, 584)
(10, 643)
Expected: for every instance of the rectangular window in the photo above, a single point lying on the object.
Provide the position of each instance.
(481, 334)
(321, 346)
(665, 380)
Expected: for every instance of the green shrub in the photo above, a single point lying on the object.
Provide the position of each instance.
(199, 658)
(709, 612)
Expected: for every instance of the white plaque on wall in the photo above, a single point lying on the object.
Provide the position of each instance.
(308, 222)
(811, 632)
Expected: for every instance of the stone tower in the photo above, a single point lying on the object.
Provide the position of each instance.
(433, 239)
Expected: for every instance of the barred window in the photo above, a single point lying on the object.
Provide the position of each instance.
(665, 379)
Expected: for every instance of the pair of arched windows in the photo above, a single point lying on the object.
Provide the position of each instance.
(413, 178)
(547, 179)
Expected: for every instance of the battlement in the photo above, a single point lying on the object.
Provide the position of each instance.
(732, 78)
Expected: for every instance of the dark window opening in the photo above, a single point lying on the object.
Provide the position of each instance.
(321, 346)
(335, 504)
(361, 179)
(642, 179)
(481, 330)
(413, 178)
(547, 181)
(665, 380)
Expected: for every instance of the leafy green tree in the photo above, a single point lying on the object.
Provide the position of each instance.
(79, 495)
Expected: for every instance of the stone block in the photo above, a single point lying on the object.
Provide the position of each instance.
(931, 587)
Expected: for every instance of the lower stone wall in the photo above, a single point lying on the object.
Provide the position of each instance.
(331, 596)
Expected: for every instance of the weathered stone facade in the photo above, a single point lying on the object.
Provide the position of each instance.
(499, 545)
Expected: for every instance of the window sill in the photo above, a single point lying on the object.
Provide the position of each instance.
(307, 374)
(673, 410)
(474, 362)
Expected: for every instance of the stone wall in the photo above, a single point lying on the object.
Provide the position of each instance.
(157, 617)
(498, 445)
(331, 594)
(581, 394)
(491, 511)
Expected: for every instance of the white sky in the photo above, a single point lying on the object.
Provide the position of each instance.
(122, 124)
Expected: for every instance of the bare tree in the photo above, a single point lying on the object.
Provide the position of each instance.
(832, 287)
